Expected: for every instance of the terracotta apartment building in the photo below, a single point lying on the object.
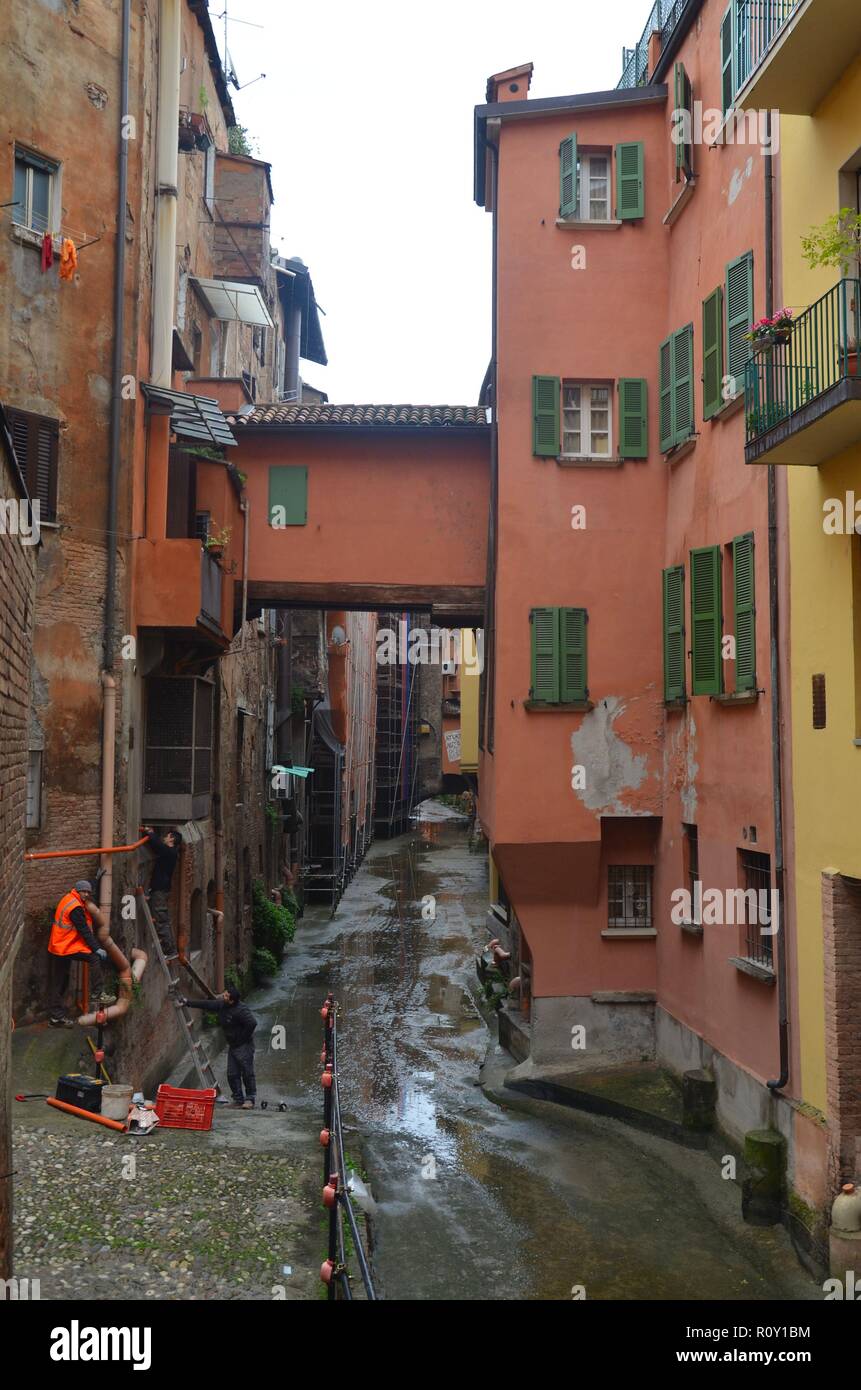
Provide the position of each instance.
(631, 731)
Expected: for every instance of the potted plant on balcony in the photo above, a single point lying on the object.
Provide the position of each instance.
(766, 332)
(217, 541)
(837, 242)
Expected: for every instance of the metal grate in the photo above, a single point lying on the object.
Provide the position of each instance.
(692, 852)
(820, 707)
(756, 871)
(629, 896)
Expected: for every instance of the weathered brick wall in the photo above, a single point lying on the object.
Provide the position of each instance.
(841, 925)
(17, 592)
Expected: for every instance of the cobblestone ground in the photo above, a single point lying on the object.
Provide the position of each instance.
(204, 1216)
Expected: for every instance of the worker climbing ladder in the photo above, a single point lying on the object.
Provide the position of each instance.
(197, 1051)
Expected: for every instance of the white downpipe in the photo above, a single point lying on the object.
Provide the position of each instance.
(167, 173)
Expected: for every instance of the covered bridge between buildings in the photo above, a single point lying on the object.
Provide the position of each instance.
(366, 507)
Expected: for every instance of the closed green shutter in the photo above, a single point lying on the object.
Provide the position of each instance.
(288, 496)
(633, 418)
(630, 191)
(568, 200)
(545, 654)
(674, 633)
(727, 57)
(545, 416)
(739, 316)
(745, 612)
(712, 353)
(572, 648)
(682, 122)
(683, 383)
(706, 621)
(666, 393)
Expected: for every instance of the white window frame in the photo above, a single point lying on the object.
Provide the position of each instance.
(34, 160)
(586, 431)
(584, 180)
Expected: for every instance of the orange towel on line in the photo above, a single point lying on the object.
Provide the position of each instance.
(68, 259)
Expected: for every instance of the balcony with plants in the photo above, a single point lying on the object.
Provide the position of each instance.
(803, 380)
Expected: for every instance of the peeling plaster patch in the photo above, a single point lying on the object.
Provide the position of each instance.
(736, 183)
(692, 767)
(100, 388)
(611, 767)
(96, 94)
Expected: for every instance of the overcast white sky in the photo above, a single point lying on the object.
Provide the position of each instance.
(366, 116)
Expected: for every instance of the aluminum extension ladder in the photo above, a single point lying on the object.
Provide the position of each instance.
(196, 1049)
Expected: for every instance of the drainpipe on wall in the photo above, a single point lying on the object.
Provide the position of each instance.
(167, 167)
(776, 746)
(245, 508)
(218, 831)
(109, 685)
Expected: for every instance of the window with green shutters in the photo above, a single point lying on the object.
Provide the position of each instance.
(545, 416)
(674, 633)
(288, 496)
(568, 191)
(683, 123)
(739, 316)
(633, 418)
(745, 612)
(630, 186)
(558, 655)
(712, 353)
(706, 621)
(677, 387)
(727, 57)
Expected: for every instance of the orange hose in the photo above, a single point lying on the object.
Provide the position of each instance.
(85, 1114)
(77, 853)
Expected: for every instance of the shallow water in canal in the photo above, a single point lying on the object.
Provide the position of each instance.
(475, 1201)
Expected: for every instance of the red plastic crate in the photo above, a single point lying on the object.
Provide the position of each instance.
(183, 1109)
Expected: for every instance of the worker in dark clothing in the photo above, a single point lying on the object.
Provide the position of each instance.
(73, 938)
(238, 1024)
(165, 847)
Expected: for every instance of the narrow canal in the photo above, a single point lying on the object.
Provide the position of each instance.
(475, 1201)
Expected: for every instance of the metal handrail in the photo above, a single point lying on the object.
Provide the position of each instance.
(663, 18)
(335, 1177)
(820, 350)
(758, 24)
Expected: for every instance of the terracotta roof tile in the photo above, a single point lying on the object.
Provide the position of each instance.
(428, 416)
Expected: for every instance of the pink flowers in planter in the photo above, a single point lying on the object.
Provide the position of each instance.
(776, 329)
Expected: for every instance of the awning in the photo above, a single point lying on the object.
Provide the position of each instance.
(192, 417)
(233, 301)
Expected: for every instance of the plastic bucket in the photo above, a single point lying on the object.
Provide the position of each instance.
(116, 1101)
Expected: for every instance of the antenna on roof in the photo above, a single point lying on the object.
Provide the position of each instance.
(230, 73)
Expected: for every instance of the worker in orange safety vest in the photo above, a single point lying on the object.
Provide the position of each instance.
(72, 938)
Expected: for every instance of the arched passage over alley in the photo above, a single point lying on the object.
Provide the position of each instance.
(366, 507)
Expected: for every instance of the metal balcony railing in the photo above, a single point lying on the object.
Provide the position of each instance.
(210, 588)
(821, 350)
(663, 17)
(758, 22)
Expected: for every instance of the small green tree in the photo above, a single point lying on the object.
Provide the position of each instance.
(273, 927)
(238, 141)
(835, 242)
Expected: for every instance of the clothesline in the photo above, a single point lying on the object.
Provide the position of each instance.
(75, 234)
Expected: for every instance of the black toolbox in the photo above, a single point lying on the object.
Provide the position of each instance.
(80, 1090)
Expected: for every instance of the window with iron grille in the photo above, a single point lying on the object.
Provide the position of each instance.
(692, 866)
(629, 896)
(178, 736)
(34, 789)
(201, 526)
(756, 878)
(36, 439)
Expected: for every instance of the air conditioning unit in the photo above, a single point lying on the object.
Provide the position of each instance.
(449, 668)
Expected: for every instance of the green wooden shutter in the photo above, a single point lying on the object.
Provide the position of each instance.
(745, 612)
(630, 191)
(727, 57)
(683, 103)
(666, 393)
(674, 633)
(288, 488)
(712, 353)
(739, 316)
(633, 418)
(545, 416)
(706, 621)
(572, 649)
(568, 200)
(545, 654)
(683, 383)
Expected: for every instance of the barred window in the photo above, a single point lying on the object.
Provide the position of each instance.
(629, 896)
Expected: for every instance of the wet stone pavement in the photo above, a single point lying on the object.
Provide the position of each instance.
(474, 1200)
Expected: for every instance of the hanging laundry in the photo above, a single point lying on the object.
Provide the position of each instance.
(47, 251)
(68, 259)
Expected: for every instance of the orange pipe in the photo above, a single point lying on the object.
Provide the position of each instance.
(78, 853)
(85, 1114)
